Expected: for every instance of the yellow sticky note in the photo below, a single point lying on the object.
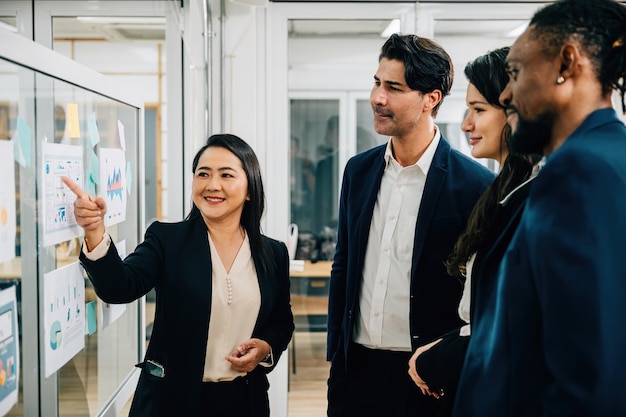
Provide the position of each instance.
(73, 127)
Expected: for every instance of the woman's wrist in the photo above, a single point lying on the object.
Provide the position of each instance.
(93, 239)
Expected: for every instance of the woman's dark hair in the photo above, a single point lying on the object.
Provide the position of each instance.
(427, 66)
(253, 208)
(598, 26)
(488, 74)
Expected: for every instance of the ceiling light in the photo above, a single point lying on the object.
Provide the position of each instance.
(8, 27)
(514, 33)
(140, 20)
(392, 27)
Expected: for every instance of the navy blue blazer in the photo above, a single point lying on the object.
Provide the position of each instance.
(453, 185)
(551, 340)
(175, 259)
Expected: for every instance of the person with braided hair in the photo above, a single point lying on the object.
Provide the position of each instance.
(553, 342)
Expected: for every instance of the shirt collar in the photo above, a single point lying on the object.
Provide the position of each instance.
(534, 172)
(427, 157)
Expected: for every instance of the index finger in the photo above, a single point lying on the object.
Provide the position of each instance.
(80, 193)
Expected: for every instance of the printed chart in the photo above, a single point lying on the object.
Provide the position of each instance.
(64, 315)
(113, 183)
(58, 217)
(9, 350)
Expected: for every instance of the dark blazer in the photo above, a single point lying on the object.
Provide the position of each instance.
(453, 185)
(440, 366)
(552, 341)
(175, 259)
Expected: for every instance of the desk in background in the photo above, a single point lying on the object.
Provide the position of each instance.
(309, 299)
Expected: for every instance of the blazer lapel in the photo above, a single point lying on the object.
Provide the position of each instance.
(266, 289)
(434, 184)
(198, 254)
(372, 186)
(486, 265)
(518, 201)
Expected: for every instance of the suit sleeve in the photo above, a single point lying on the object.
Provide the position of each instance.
(337, 287)
(116, 281)
(277, 331)
(576, 245)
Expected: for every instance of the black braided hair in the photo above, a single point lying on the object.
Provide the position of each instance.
(599, 26)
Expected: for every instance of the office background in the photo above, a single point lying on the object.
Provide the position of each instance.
(290, 77)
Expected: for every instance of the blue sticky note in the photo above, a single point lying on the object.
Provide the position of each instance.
(92, 126)
(22, 143)
(90, 318)
(129, 177)
(94, 167)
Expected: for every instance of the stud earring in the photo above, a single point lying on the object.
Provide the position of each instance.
(560, 80)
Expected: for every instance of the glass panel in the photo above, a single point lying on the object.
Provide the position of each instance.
(129, 49)
(29, 250)
(13, 193)
(366, 136)
(314, 164)
(92, 376)
(314, 206)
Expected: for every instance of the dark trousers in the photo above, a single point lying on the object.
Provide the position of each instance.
(378, 384)
(225, 399)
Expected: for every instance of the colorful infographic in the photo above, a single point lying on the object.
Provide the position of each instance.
(64, 315)
(113, 184)
(7, 201)
(9, 350)
(58, 211)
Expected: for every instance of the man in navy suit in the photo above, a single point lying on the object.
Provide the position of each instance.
(402, 207)
(551, 341)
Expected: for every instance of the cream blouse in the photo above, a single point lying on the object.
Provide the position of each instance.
(235, 306)
(464, 304)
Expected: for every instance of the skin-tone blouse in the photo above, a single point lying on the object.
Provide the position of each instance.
(234, 309)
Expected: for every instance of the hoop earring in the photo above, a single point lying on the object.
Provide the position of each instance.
(560, 80)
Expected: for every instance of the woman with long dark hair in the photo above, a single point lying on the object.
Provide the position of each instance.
(223, 315)
(436, 366)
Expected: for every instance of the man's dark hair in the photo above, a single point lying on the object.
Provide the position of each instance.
(598, 26)
(428, 66)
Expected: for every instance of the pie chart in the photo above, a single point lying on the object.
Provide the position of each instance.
(55, 335)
